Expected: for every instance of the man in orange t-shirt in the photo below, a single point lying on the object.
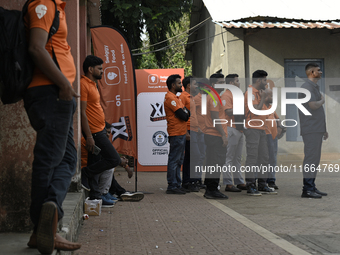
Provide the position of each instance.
(256, 140)
(176, 116)
(93, 128)
(235, 141)
(190, 181)
(216, 140)
(201, 127)
(50, 105)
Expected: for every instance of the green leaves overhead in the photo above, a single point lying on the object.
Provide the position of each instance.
(135, 17)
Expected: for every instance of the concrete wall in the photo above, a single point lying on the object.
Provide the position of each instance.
(17, 140)
(203, 49)
(267, 49)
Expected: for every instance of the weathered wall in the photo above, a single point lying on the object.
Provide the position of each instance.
(16, 157)
(17, 140)
(201, 58)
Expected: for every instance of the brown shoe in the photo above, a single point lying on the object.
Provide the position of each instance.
(60, 243)
(47, 228)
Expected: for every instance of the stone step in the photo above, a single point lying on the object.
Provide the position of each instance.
(16, 243)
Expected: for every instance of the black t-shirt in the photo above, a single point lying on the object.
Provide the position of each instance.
(316, 122)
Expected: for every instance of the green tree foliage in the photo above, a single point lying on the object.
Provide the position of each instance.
(174, 57)
(158, 17)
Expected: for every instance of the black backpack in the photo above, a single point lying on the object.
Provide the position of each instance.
(16, 66)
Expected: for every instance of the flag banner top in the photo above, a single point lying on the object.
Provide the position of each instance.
(117, 87)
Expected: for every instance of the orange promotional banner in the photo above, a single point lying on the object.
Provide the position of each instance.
(117, 87)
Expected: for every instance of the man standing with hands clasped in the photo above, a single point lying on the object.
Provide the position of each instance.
(313, 130)
(176, 116)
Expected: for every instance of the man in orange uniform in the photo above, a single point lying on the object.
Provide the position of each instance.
(201, 125)
(256, 140)
(189, 181)
(93, 126)
(235, 141)
(216, 139)
(176, 116)
(50, 105)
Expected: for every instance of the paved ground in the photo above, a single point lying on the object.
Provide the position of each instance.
(191, 224)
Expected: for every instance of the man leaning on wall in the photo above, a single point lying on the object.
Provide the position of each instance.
(50, 105)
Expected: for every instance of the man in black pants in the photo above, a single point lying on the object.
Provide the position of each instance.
(107, 184)
(313, 130)
(256, 139)
(216, 140)
(93, 124)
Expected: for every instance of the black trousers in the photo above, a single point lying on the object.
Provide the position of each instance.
(215, 158)
(116, 188)
(108, 158)
(312, 149)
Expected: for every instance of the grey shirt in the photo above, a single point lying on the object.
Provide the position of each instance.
(316, 122)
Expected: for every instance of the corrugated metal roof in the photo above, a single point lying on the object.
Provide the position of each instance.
(307, 10)
(281, 24)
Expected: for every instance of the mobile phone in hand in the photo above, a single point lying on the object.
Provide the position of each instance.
(96, 150)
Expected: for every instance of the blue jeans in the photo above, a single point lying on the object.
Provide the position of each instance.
(186, 162)
(55, 155)
(175, 160)
(272, 152)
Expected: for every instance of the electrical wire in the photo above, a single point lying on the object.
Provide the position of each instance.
(166, 47)
(163, 48)
(173, 36)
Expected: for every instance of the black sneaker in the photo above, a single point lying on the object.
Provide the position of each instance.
(175, 191)
(193, 187)
(267, 190)
(184, 189)
(186, 185)
(201, 185)
(272, 185)
(84, 180)
(214, 195)
(242, 187)
(232, 189)
(252, 191)
(310, 194)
